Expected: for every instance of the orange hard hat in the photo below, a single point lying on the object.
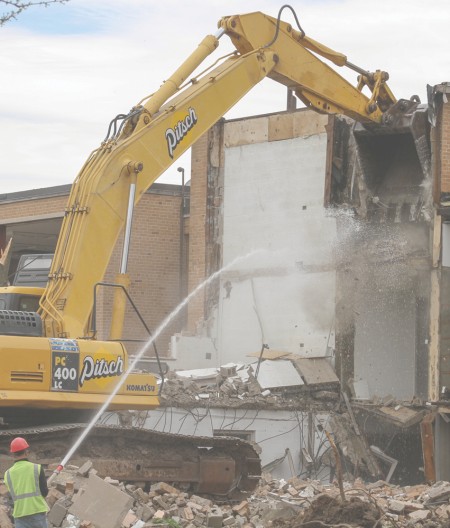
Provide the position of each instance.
(18, 444)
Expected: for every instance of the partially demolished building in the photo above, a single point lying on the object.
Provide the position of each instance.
(331, 249)
(333, 243)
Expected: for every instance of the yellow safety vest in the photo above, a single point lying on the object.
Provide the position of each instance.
(22, 481)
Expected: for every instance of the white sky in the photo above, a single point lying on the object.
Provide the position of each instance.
(67, 70)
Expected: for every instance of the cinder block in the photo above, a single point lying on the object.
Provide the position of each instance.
(188, 513)
(58, 512)
(146, 512)
(141, 496)
(160, 503)
(201, 500)
(53, 496)
(227, 371)
(83, 471)
(214, 520)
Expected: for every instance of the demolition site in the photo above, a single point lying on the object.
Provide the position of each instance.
(266, 344)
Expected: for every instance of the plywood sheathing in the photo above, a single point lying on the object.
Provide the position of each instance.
(274, 128)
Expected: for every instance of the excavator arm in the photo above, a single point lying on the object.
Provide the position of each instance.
(315, 83)
(144, 143)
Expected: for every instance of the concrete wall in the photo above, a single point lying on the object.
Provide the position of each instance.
(283, 294)
(273, 238)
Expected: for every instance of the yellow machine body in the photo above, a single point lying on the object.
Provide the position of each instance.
(50, 373)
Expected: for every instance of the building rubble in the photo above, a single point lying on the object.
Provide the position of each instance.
(380, 437)
(281, 383)
(78, 498)
(286, 382)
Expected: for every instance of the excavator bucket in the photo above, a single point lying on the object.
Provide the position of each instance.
(384, 172)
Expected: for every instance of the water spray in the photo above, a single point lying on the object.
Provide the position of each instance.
(133, 364)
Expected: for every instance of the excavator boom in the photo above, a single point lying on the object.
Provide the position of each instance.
(158, 130)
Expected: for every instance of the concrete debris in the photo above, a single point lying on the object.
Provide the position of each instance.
(236, 386)
(286, 383)
(289, 503)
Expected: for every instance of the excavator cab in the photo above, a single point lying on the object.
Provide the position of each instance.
(19, 302)
(20, 298)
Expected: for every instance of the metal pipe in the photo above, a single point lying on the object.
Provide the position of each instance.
(182, 256)
(219, 33)
(357, 69)
(141, 319)
(129, 223)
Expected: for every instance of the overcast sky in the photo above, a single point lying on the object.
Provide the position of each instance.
(67, 70)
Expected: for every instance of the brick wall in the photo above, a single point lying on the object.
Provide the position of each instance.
(197, 237)
(33, 207)
(154, 266)
(445, 148)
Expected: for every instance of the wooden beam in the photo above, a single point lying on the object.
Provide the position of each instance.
(427, 435)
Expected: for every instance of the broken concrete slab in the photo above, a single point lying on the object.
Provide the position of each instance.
(438, 493)
(102, 504)
(315, 371)
(404, 416)
(59, 511)
(419, 515)
(83, 471)
(278, 374)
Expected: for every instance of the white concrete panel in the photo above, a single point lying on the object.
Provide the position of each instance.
(280, 373)
(283, 294)
(193, 352)
(292, 313)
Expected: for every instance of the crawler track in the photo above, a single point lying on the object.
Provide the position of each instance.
(220, 466)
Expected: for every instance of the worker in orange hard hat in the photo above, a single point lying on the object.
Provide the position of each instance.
(27, 485)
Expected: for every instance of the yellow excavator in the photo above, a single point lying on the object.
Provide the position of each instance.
(52, 362)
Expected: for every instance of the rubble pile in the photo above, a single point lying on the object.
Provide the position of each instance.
(235, 386)
(79, 498)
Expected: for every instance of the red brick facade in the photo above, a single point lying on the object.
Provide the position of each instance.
(197, 238)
